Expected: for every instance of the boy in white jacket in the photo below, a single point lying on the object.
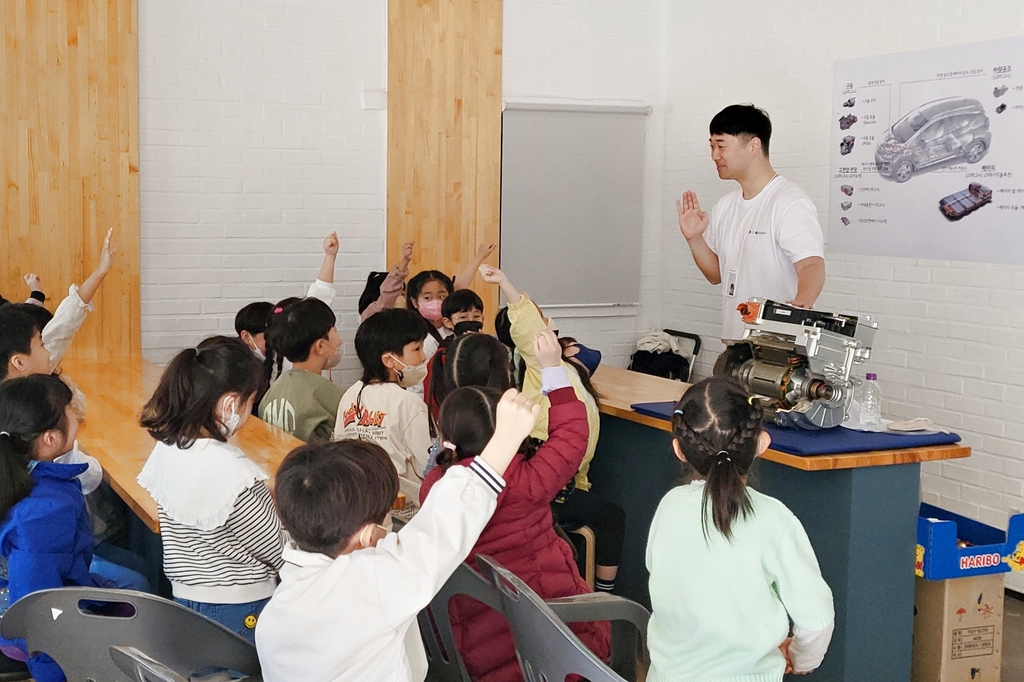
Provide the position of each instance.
(349, 594)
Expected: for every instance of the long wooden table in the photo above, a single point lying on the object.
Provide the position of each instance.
(115, 393)
(859, 511)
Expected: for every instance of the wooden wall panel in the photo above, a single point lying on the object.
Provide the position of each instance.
(444, 132)
(69, 159)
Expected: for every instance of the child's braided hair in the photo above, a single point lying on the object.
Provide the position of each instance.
(717, 424)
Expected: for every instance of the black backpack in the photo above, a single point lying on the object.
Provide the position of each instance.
(666, 363)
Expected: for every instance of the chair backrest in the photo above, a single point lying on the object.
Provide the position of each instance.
(547, 649)
(141, 668)
(436, 626)
(77, 626)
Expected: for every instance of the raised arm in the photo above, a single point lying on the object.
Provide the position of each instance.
(35, 288)
(558, 459)
(91, 285)
(392, 286)
(326, 274)
(693, 223)
(464, 280)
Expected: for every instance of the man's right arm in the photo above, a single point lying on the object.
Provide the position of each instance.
(693, 223)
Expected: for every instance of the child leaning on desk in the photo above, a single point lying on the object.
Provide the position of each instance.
(222, 539)
(350, 591)
(730, 567)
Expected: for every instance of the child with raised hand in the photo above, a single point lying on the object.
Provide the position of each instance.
(383, 289)
(350, 591)
(45, 537)
(578, 504)
(730, 567)
(520, 534)
(302, 401)
(21, 353)
(221, 538)
(378, 407)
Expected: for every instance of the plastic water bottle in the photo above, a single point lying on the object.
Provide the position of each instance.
(871, 401)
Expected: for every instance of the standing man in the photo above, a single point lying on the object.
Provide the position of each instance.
(761, 240)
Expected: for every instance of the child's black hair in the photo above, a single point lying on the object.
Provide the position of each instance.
(743, 120)
(183, 407)
(471, 360)
(717, 424)
(29, 407)
(467, 421)
(371, 292)
(389, 331)
(293, 329)
(326, 493)
(17, 329)
(253, 318)
(461, 301)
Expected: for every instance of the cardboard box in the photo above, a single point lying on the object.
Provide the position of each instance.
(958, 629)
(954, 546)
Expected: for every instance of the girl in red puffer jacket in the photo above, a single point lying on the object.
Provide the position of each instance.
(521, 534)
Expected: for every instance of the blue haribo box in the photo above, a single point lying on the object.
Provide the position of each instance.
(953, 546)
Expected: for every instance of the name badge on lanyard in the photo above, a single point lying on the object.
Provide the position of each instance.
(730, 283)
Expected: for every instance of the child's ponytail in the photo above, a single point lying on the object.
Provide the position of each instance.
(717, 425)
(29, 407)
(183, 407)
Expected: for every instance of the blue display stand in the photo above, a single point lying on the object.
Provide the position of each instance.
(861, 522)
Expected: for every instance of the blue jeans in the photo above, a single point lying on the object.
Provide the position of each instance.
(239, 618)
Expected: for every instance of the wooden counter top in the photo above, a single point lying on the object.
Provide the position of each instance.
(622, 388)
(115, 393)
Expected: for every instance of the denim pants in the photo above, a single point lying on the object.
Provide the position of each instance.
(239, 618)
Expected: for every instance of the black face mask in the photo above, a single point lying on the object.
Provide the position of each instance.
(467, 327)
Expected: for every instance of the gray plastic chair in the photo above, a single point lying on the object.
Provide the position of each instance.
(628, 622)
(141, 668)
(545, 646)
(181, 639)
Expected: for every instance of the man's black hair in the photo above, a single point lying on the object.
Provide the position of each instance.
(743, 120)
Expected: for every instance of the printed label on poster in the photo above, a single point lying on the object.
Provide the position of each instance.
(927, 155)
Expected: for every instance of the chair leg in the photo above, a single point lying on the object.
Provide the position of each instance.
(590, 542)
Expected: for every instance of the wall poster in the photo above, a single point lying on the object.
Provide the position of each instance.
(928, 154)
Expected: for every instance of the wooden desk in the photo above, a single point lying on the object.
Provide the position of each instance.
(115, 393)
(859, 511)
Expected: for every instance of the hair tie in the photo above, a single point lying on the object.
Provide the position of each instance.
(750, 400)
(278, 309)
(723, 456)
(5, 433)
(679, 412)
(448, 445)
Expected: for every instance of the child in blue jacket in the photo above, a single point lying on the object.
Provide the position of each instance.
(45, 536)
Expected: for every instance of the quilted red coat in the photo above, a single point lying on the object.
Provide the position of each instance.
(521, 536)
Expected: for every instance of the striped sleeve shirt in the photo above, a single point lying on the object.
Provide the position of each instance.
(234, 563)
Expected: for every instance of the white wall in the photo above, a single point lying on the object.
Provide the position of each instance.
(596, 51)
(253, 146)
(950, 346)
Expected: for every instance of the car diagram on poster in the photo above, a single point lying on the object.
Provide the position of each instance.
(927, 155)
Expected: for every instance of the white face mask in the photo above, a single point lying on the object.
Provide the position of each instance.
(258, 353)
(230, 424)
(410, 375)
(335, 359)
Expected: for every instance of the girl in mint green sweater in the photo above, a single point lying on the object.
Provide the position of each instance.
(730, 567)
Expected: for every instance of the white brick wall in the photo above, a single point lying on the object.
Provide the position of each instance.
(597, 51)
(950, 346)
(253, 146)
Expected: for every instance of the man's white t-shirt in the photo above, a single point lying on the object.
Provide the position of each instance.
(758, 241)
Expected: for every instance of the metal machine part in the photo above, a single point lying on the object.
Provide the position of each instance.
(798, 361)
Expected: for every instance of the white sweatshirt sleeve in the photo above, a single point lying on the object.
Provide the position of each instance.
(68, 318)
(807, 650)
(322, 290)
(412, 565)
